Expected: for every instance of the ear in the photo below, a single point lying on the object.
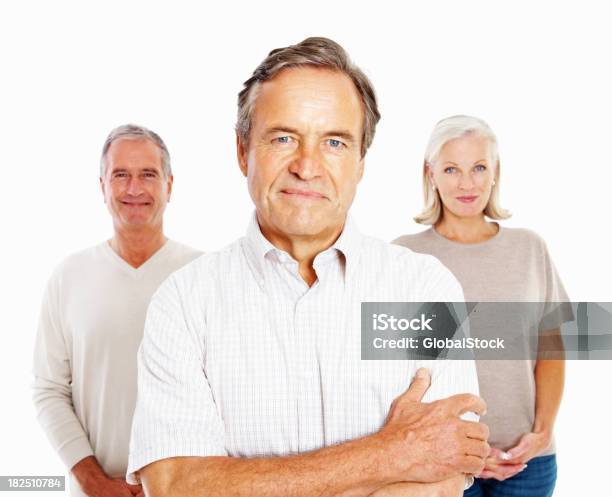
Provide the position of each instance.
(169, 186)
(241, 153)
(429, 170)
(102, 188)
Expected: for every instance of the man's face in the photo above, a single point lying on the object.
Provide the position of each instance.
(134, 186)
(303, 160)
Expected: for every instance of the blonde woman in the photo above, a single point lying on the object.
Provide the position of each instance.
(461, 175)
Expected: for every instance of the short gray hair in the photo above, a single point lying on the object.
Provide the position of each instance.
(444, 131)
(136, 132)
(318, 52)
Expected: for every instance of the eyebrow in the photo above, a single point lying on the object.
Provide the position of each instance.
(144, 170)
(455, 164)
(344, 134)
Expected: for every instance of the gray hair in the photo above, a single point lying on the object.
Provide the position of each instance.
(318, 52)
(135, 132)
(446, 130)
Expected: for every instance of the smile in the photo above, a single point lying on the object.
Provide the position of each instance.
(136, 204)
(467, 198)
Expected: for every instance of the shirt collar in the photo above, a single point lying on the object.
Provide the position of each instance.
(258, 246)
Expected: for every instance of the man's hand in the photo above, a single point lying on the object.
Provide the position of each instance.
(428, 442)
(95, 482)
(498, 466)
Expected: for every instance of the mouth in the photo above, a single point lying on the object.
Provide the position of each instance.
(297, 193)
(135, 204)
(467, 199)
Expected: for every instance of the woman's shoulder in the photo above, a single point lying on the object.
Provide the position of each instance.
(415, 241)
(523, 237)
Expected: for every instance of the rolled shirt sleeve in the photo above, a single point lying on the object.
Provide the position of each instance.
(175, 412)
(449, 377)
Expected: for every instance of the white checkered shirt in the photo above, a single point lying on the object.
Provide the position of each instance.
(241, 358)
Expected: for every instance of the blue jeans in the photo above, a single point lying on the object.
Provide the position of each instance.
(536, 480)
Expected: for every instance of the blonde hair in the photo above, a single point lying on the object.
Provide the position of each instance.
(446, 130)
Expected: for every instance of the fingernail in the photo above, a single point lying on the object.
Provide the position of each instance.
(505, 456)
(523, 467)
(422, 373)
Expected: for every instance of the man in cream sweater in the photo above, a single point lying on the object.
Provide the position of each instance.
(93, 313)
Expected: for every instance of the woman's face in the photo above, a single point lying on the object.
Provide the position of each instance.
(463, 175)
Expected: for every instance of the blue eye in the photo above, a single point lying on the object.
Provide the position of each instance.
(450, 170)
(334, 143)
(282, 139)
(480, 168)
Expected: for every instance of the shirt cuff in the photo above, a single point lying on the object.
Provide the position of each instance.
(138, 460)
(469, 481)
(74, 451)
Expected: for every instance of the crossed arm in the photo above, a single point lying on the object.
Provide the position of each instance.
(423, 449)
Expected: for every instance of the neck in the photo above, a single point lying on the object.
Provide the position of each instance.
(302, 248)
(136, 246)
(465, 229)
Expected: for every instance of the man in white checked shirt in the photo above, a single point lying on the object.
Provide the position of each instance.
(250, 378)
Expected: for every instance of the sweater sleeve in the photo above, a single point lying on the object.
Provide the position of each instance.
(52, 386)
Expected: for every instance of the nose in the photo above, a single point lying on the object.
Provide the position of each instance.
(307, 162)
(466, 182)
(134, 186)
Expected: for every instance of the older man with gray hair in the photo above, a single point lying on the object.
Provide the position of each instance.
(93, 313)
(250, 380)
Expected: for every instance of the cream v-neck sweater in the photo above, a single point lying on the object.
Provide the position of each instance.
(90, 327)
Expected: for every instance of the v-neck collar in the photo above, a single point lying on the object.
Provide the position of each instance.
(128, 268)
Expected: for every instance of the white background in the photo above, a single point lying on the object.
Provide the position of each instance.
(538, 72)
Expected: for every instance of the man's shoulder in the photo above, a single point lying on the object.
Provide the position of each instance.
(207, 267)
(80, 259)
(181, 254)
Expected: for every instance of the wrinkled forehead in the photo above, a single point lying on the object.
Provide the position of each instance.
(310, 99)
(133, 152)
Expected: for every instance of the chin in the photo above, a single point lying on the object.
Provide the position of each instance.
(302, 229)
(301, 224)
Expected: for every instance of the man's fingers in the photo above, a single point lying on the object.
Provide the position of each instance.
(475, 430)
(477, 448)
(135, 489)
(466, 402)
(472, 465)
(418, 387)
